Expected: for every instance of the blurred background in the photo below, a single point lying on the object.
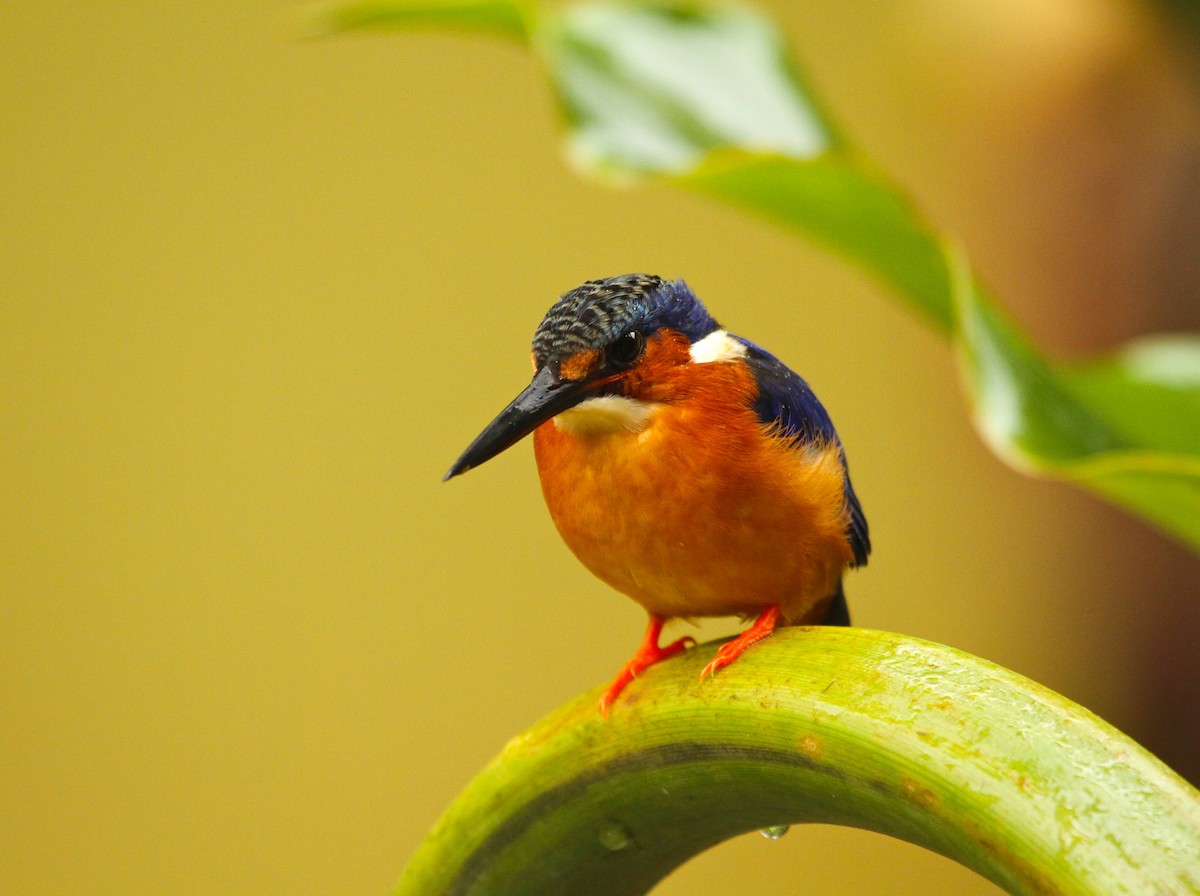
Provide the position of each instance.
(257, 293)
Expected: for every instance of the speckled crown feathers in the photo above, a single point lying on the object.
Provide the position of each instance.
(593, 315)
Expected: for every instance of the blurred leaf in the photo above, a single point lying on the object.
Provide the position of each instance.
(844, 204)
(654, 89)
(1149, 392)
(707, 99)
(510, 19)
(1127, 428)
(829, 725)
(1152, 387)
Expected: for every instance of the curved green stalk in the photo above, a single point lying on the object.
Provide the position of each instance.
(840, 726)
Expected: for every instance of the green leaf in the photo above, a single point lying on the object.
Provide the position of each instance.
(1125, 428)
(839, 726)
(1149, 392)
(508, 18)
(1151, 388)
(841, 202)
(655, 88)
(708, 100)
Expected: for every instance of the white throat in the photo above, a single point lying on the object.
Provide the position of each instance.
(607, 413)
(617, 413)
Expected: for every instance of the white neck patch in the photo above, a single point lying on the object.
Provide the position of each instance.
(607, 413)
(717, 346)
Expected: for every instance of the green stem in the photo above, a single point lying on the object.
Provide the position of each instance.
(838, 726)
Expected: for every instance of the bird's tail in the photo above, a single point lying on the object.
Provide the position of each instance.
(838, 613)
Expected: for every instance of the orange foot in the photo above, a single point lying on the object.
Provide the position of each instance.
(647, 655)
(763, 626)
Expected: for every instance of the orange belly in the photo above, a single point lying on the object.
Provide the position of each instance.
(686, 526)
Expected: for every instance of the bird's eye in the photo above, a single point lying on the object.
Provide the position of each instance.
(627, 349)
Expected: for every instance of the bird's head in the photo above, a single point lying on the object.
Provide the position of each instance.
(609, 339)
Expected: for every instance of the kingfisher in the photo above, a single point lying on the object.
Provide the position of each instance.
(685, 466)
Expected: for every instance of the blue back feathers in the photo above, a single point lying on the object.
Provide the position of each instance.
(786, 401)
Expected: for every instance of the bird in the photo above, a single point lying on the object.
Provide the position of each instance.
(684, 466)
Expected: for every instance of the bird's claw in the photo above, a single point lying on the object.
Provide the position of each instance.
(649, 654)
(726, 655)
(731, 650)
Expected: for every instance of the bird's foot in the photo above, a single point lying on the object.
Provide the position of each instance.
(647, 655)
(763, 626)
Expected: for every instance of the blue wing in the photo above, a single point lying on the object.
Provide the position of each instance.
(785, 400)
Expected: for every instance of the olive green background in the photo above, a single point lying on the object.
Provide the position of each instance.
(257, 293)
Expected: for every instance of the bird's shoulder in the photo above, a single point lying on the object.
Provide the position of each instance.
(786, 403)
(785, 400)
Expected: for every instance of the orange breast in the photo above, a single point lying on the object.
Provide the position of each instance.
(703, 512)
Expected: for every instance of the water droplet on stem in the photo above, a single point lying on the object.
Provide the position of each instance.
(615, 836)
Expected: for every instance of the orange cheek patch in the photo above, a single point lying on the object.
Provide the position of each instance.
(579, 365)
(662, 364)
